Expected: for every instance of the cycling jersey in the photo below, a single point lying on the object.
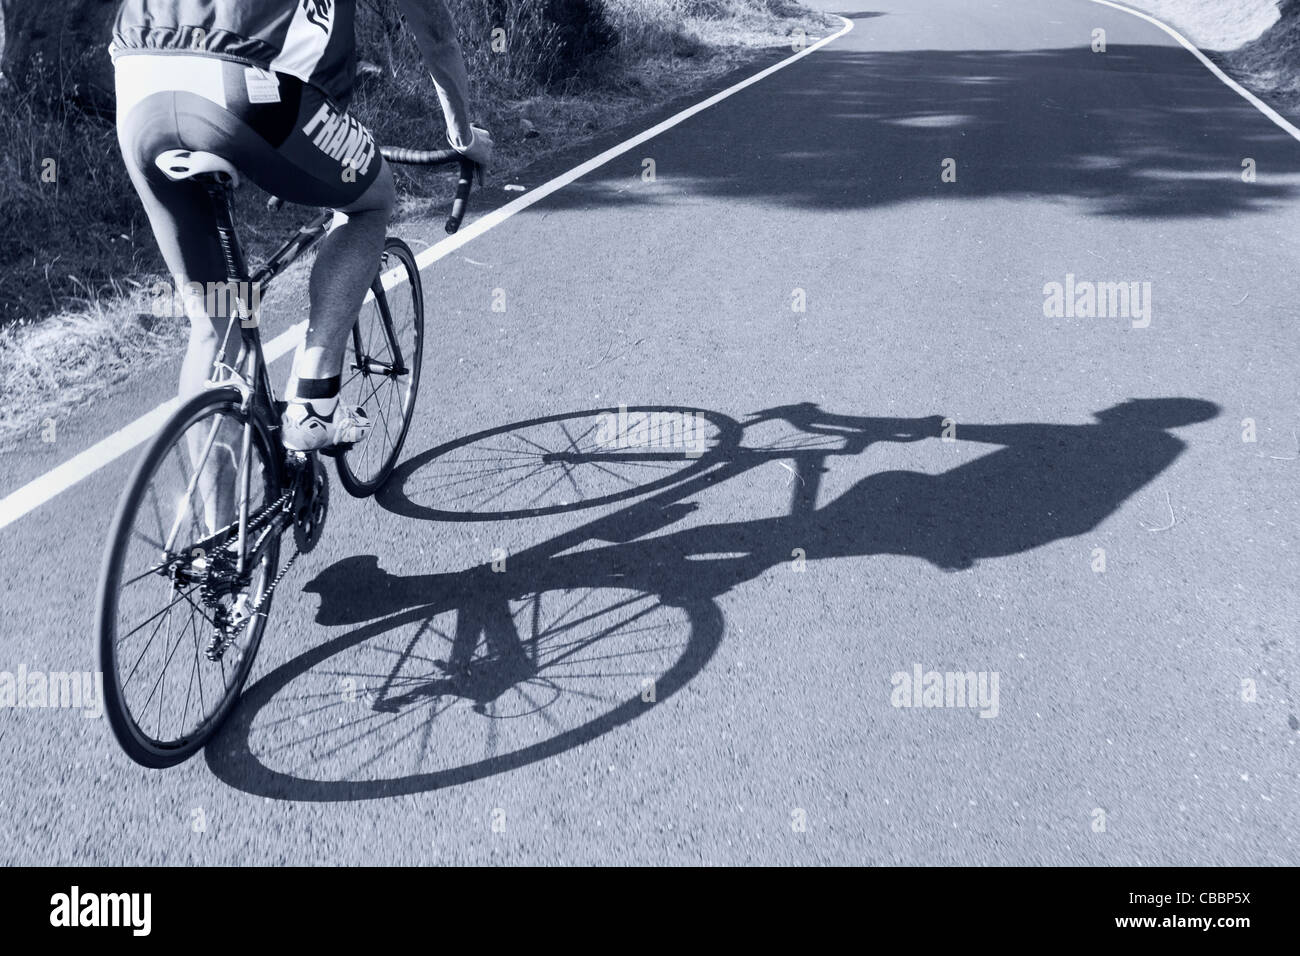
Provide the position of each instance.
(309, 39)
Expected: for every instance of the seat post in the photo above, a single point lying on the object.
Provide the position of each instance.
(233, 254)
(245, 297)
(237, 274)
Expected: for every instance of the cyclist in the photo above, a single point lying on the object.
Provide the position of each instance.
(265, 84)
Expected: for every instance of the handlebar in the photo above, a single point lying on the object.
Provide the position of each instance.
(428, 157)
(439, 157)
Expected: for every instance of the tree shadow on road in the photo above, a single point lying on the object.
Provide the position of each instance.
(1138, 131)
(449, 677)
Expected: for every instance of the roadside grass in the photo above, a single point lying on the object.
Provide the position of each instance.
(1257, 42)
(1212, 24)
(87, 348)
(1270, 64)
(78, 264)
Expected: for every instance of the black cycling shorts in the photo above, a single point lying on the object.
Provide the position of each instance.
(280, 133)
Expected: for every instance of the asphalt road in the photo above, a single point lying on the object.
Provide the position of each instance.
(1123, 733)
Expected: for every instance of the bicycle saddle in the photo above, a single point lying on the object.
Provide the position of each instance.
(180, 164)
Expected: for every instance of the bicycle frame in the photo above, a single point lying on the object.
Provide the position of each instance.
(237, 273)
(248, 374)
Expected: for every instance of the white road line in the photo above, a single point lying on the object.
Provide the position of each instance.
(35, 493)
(452, 243)
(1278, 119)
(53, 483)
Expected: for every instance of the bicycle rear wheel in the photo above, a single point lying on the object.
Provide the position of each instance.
(178, 623)
(381, 369)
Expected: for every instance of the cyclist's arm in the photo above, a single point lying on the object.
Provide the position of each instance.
(1025, 433)
(435, 33)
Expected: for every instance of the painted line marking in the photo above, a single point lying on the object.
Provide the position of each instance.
(1278, 119)
(40, 490)
(35, 493)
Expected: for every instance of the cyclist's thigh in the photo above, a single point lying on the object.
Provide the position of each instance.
(325, 156)
(180, 213)
(282, 134)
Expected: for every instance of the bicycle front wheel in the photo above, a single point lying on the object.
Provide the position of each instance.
(381, 369)
(179, 620)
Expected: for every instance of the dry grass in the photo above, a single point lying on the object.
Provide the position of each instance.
(76, 255)
(69, 219)
(1213, 24)
(1270, 64)
(85, 349)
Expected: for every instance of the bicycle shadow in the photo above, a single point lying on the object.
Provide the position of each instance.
(557, 649)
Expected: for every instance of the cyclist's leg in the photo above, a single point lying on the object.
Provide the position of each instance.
(180, 213)
(182, 219)
(344, 269)
(327, 158)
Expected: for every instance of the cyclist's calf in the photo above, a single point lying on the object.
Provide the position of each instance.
(208, 327)
(343, 271)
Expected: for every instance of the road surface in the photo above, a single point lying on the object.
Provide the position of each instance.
(1126, 570)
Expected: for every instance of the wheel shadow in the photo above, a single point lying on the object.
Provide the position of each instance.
(448, 677)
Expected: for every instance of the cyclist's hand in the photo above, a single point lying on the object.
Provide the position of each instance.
(479, 148)
(913, 429)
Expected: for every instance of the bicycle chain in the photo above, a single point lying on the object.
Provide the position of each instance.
(270, 510)
(223, 637)
(266, 595)
(208, 589)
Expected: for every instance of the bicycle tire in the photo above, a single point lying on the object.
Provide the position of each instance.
(137, 744)
(359, 479)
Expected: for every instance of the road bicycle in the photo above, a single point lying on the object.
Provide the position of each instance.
(193, 553)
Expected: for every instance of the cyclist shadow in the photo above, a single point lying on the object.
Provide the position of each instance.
(627, 590)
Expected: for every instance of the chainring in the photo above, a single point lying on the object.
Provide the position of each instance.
(311, 504)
